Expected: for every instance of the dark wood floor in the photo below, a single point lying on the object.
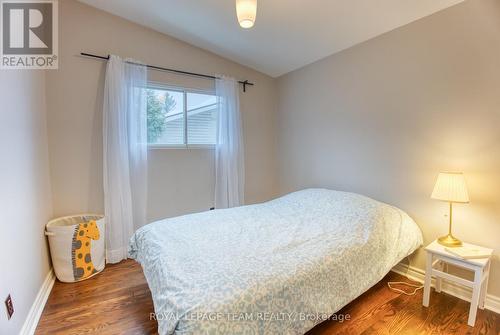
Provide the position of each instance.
(118, 301)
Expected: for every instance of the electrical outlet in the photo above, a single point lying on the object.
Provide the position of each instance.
(9, 306)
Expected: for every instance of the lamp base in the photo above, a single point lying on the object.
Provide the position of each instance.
(449, 241)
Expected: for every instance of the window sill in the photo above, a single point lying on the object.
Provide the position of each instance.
(181, 146)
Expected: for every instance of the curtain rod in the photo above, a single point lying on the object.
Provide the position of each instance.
(153, 67)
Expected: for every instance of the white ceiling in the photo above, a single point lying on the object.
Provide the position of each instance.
(287, 35)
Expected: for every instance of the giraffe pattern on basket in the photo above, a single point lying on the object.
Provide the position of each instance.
(80, 249)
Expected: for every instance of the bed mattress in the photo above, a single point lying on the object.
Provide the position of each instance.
(279, 267)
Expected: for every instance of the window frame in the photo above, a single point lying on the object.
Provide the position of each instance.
(184, 91)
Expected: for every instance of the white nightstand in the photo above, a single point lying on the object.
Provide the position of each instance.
(437, 257)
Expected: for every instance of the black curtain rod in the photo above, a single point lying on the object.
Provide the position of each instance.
(244, 83)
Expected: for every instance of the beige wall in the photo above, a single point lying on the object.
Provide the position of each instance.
(181, 181)
(24, 192)
(384, 117)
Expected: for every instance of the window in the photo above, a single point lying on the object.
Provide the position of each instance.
(179, 117)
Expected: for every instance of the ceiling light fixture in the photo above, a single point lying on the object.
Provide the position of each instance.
(246, 10)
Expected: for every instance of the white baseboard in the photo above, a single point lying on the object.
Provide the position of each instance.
(492, 302)
(36, 309)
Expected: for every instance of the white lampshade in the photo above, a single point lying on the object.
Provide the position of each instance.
(246, 10)
(450, 186)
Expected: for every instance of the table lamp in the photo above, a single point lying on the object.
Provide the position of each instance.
(450, 187)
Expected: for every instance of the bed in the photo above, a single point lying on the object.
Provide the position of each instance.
(279, 267)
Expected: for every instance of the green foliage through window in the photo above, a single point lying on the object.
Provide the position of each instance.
(160, 103)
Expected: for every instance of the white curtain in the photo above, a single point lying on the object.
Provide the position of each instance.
(229, 157)
(125, 154)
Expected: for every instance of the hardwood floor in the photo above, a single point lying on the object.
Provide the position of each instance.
(118, 301)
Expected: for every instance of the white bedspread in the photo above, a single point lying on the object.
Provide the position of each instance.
(278, 267)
